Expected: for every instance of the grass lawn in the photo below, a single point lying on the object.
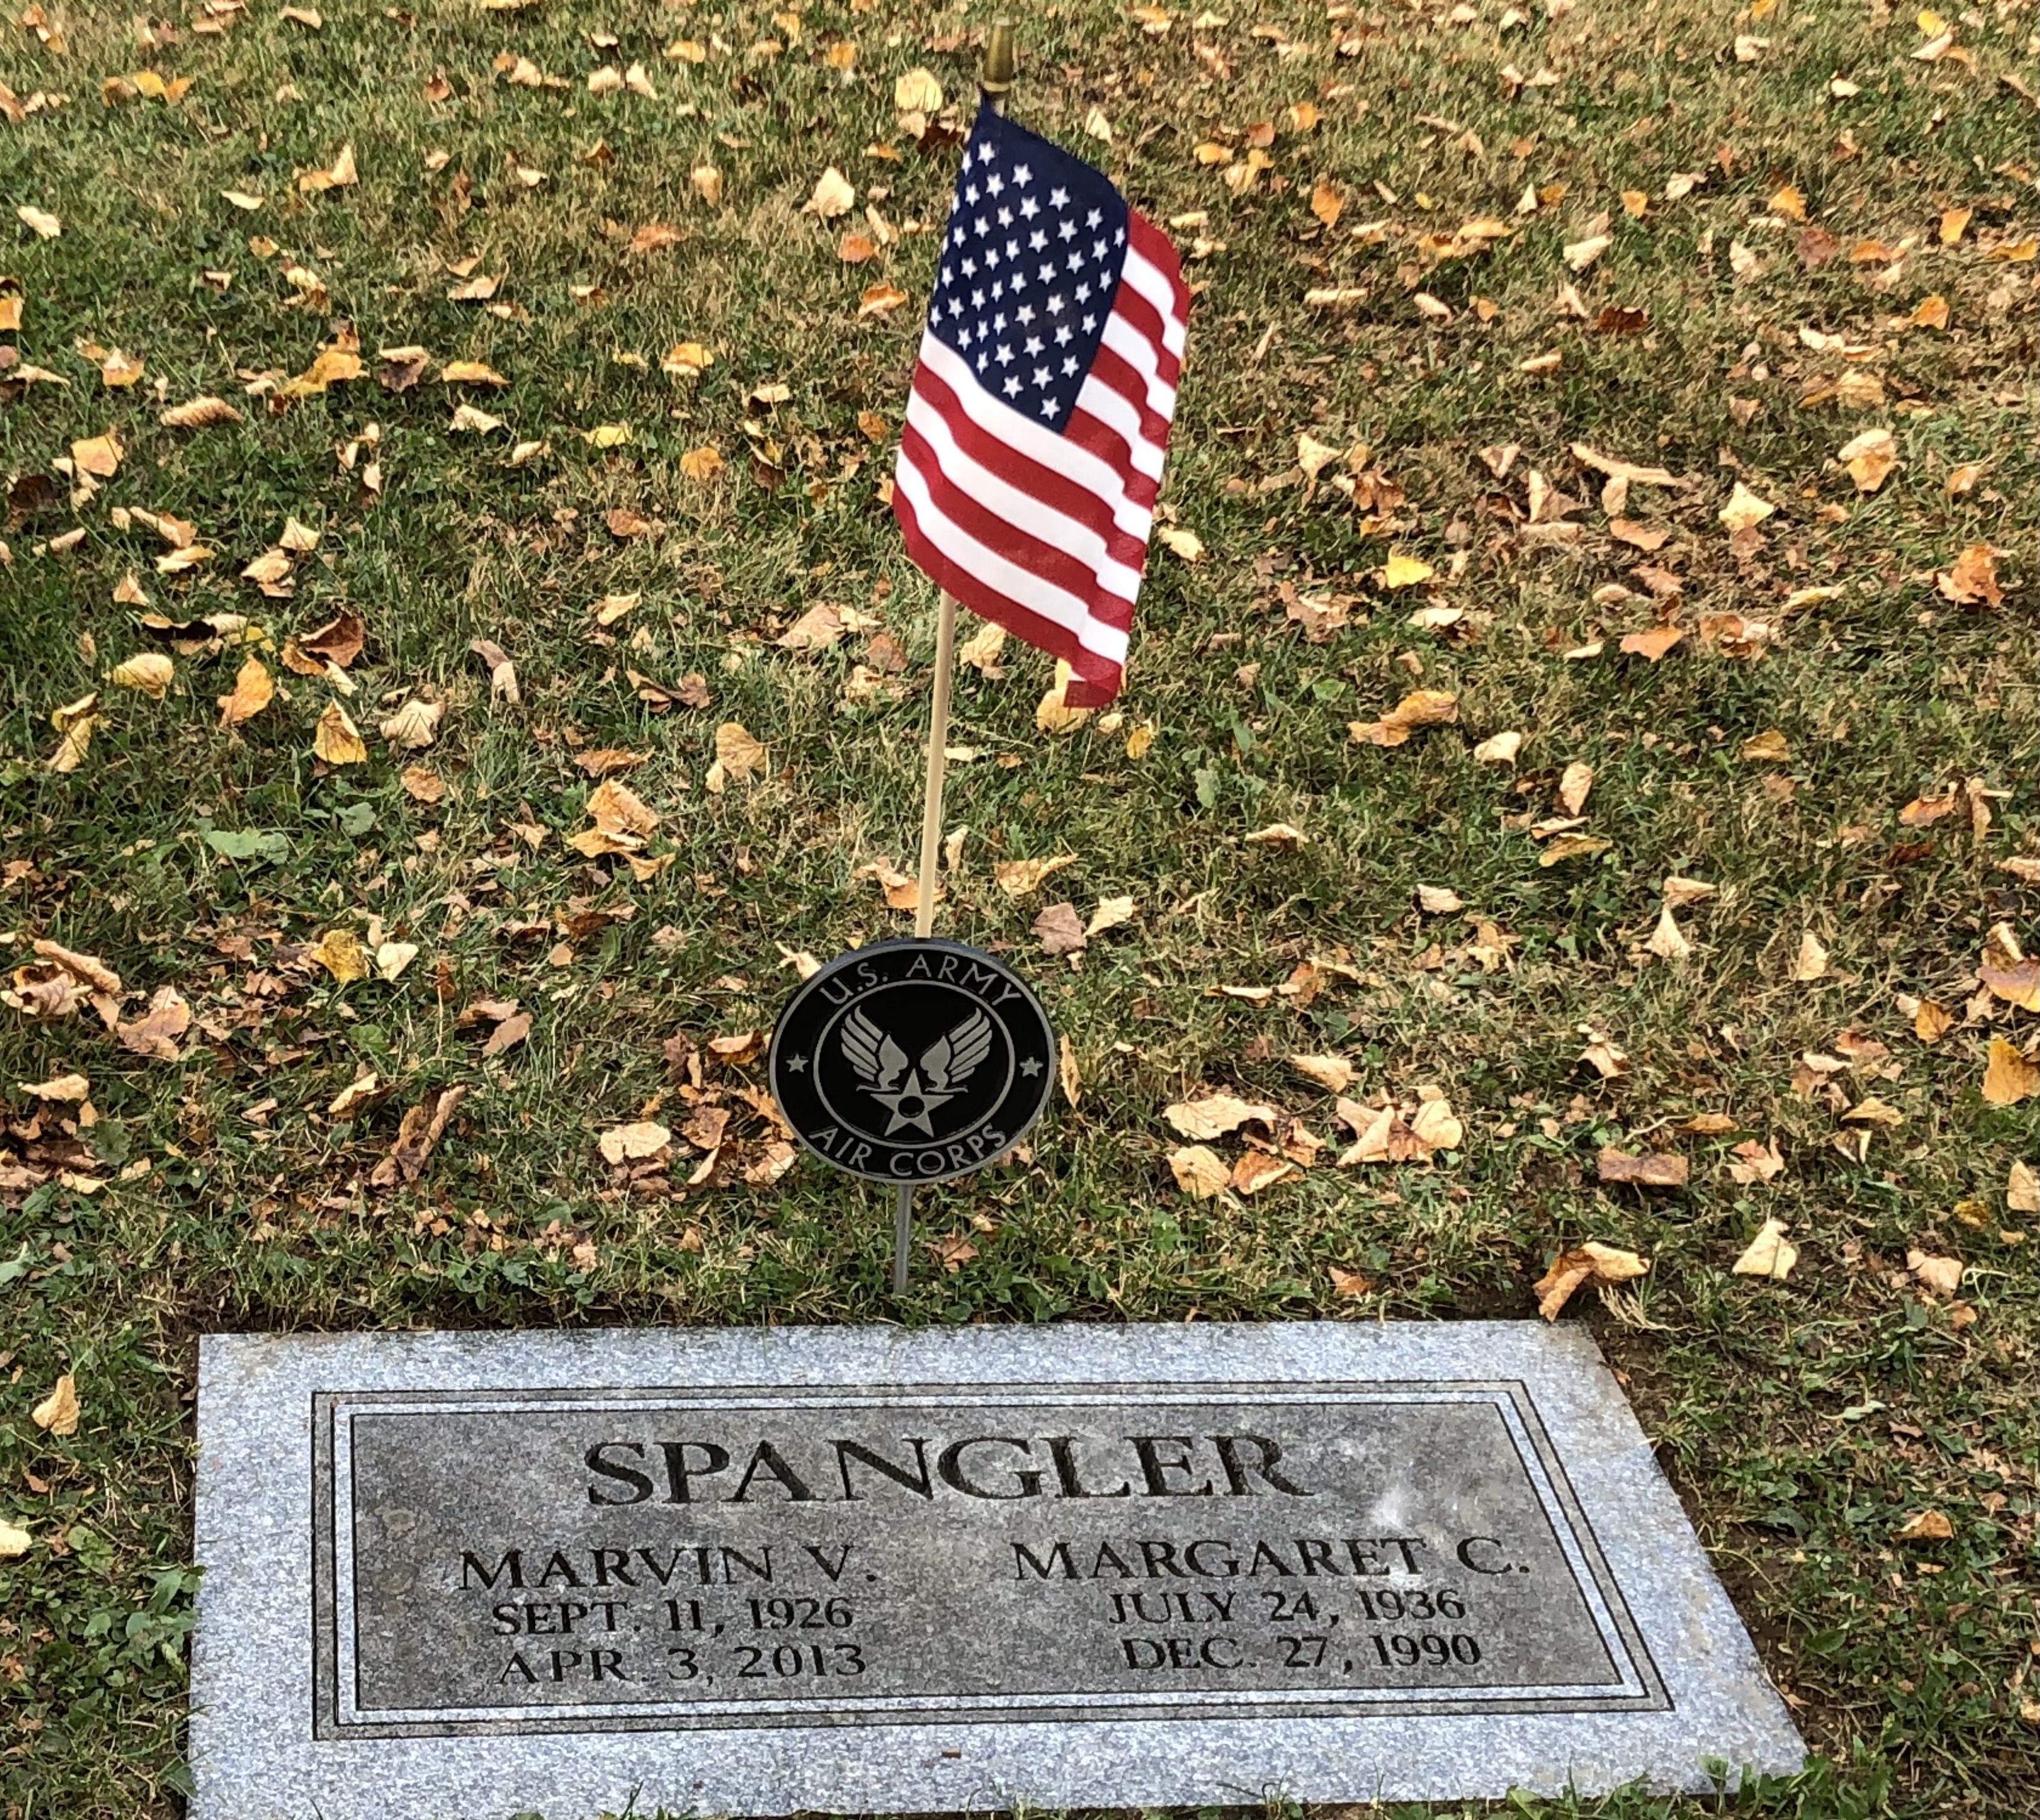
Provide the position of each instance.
(1486, 264)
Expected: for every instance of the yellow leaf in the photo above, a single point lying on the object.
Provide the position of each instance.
(470, 373)
(1185, 542)
(337, 740)
(1744, 511)
(1593, 1261)
(252, 692)
(1811, 962)
(119, 370)
(1789, 202)
(14, 1541)
(833, 195)
(58, 1412)
(1770, 748)
(607, 435)
(881, 300)
(339, 950)
(740, 757)
(687, 360)
(2009, 1076)
(99, 456)
(41, 222)
(1017, 877)
(150, 672)
(703, 464)
(468, 417)
(1405, 572)
(198, 412)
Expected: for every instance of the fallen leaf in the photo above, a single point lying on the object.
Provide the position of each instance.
(918, 92)
(199, 414)
(833, 195)
(417, 1137)
(1668, 941)
(1068, 1074)
(1653, 644)
(14, 1541)
(1276, 834)
(1333, 1073)
(1811, 962)
(1500, 749)
(509, 1034)
(99, 456)
(67, 1090)
(1657, 1169)
(339, 950)
(1927, 1526)
(1183, 542)
(1017, 877)
(338, 642)
(1756, 1163)
(1869, 458)
(1572, 847)
(1932, 1021)
(473, 419)
(41, 222)
(1215, 1114)
(57, 1413)
(738, 756)
(154, 1034)
(1593, 1261)
(1770, 1254)
(1059, 929)
(1573, 784)
(1943, 1275)
(2021, 1188)
(1973, 580)
(1421, 707)
(631, 1143)
(1111, 912)
(2009, 1076)
(1770, 748)
(336, 739)
(415, 725)
(253, 690)
(1258, 1170)
(1744, 511)
(151, 673)
(1404, 571)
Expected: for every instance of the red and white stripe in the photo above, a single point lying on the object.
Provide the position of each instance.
(1046, 533)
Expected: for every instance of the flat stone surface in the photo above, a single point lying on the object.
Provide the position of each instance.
(470, 1576)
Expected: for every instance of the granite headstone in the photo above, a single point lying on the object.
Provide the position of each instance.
(467, 1576)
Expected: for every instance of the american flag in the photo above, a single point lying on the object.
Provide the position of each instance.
(1032, 451)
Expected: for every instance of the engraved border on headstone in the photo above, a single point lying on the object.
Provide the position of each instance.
(343, 1707)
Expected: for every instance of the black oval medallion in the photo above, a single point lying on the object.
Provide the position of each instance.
(912, 1060)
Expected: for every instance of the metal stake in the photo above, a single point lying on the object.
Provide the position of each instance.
(902, 1232)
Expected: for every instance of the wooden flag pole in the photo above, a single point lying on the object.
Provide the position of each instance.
(996, 81)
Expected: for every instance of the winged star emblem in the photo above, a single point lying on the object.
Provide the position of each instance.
(910, 1091)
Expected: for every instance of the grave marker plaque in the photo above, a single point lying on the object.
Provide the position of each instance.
(474, 1576)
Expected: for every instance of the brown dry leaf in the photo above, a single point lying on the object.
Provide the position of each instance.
(705, 463)
(417, 1137)
(1067, 1072)
(1770, 748)
(1276, 834)
(1200, 1172)
(1756, 1162)
(2009, 1076)
(1573, 784)
(470, 373)
(1501, 749)
(1943, 1275)
(1258, 1170)
(1110, 913)
(1927, 1526)
(151, 673)
(1653, 644)
(1421, 707)
(199, 413)
(1869, 458)
(1017, 877)
(1215, 1114)
(502, 672)
(1326, 203)
(1657, 1169)
(2006, 971)
(64, 1089)
(253, 690)
(1603, 1265)
(1060, 929)
(57, 1413)
(1439, 900)
(1972, 581)
(423, 784)
(1770, 1254)
(338, 642)
(1350, 1283)
(1811, 962)
(336, 739)
(508, 1034)
(155, 1033)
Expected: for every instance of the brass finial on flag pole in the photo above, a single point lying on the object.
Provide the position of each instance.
(996, 80)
